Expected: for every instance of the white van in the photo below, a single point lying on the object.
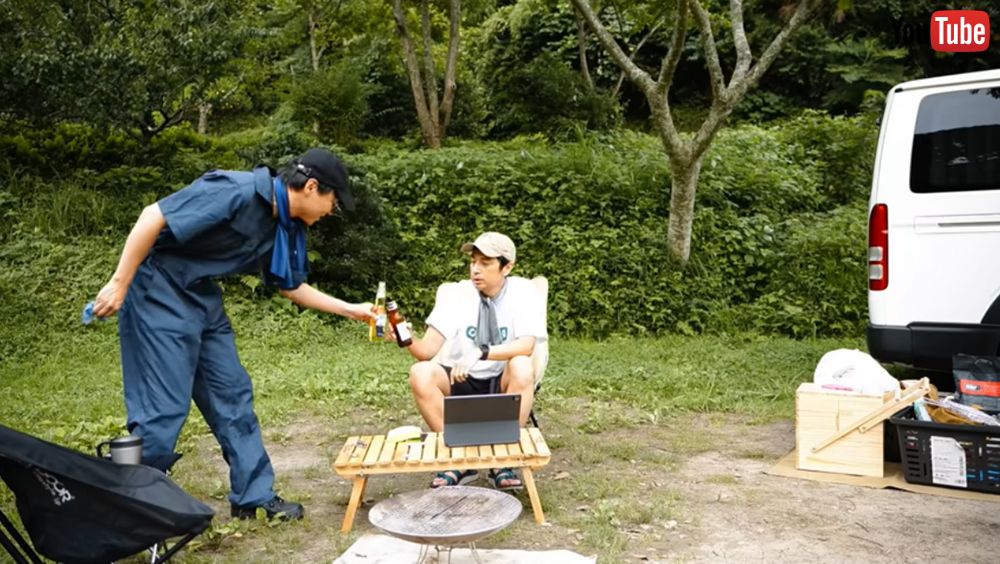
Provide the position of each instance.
(934, 222)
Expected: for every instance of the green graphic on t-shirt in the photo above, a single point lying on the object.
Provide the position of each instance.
(470, 332)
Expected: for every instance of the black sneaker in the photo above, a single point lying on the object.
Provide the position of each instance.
(276, 508)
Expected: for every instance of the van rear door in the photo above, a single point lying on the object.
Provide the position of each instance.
(940, 178)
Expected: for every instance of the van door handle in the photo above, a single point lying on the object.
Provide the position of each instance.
(947, 224)
(957, 223)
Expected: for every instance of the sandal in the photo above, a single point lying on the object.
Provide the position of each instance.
(508, 475)
(455, 478)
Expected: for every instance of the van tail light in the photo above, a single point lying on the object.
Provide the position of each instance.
(878, 248)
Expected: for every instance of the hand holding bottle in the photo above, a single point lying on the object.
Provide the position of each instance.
(398, 326)
(376, 324)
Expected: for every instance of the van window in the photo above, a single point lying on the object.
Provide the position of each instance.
(956, 145)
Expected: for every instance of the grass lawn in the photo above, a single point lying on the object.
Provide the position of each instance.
(601, 407)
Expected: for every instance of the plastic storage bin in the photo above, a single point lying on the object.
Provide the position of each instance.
(955, 456)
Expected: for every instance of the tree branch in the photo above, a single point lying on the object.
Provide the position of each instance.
(412, 66)
(632, 55)
(716, 78)
(640, 77)
(314, 54)
(430, 76)
(669, 64)
(581, 45)
(454, 18)
(802, 13)
(743, 55)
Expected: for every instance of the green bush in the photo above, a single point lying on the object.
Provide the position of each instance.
(526, 57)
(812, 282)
(777, 245)
(335, 99)
(843, 150)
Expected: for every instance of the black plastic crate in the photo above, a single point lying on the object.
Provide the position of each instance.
(981, 445)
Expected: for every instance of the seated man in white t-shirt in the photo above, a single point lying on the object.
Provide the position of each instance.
(492, 321)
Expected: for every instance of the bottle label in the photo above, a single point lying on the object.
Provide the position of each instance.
(380, 325)
(403, 332)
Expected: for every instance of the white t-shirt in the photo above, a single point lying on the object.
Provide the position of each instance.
(519, 314)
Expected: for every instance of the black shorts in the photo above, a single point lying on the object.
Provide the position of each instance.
(474, 386)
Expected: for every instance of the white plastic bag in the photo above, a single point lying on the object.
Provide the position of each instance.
(854, 370)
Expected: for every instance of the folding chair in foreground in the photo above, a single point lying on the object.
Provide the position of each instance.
(78, 508)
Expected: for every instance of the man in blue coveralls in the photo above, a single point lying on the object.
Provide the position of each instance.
(176, 340)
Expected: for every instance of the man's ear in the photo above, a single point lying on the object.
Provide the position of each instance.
(311, 185)
(506, 270)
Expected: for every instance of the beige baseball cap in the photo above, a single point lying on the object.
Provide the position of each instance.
(493, 244)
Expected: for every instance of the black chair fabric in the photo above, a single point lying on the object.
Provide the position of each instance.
(78, 508)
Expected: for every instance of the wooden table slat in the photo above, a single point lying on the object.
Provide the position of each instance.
(514, 449)
(371, 457)
(540, 447)
(443, 452)
(500, 451)
(399, 456)
(359, 453)
(385, 457)
(430, 449)
(527, 446)
(346, 450)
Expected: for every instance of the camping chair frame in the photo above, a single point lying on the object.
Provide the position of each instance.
(29, 555)
(149, 508)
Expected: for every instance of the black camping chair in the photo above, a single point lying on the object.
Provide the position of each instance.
(78, 508)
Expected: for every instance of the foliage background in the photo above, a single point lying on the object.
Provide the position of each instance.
(780, 231)
(106, 119)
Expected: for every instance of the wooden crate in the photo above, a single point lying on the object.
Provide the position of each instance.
(820, 414)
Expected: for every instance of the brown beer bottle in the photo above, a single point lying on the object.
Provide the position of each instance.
(400, 326)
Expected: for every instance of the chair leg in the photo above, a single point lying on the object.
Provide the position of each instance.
(11, 549)
(531, 414)
(173, 550)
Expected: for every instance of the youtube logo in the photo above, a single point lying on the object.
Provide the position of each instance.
(960, 31)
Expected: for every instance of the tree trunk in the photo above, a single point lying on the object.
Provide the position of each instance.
(314, 58)
(423, 82)
(684, 153)
(430, 73)
(581, 42)
(451, 65)
(204, 110)
(683, 185)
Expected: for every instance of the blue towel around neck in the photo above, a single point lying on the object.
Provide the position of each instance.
(289, 263)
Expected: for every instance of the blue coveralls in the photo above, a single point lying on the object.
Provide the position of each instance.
(176, 340)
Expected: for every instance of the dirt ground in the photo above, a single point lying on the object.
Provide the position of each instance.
(723, 508)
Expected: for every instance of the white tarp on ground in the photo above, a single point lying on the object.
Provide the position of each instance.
(379, 549)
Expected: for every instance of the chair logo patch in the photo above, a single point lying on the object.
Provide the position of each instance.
(56, 489)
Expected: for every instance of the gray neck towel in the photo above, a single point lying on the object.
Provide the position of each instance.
(487, 331)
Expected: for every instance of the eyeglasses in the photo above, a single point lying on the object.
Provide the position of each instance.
(308, 172)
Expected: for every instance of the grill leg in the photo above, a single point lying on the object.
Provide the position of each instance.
(475, 553)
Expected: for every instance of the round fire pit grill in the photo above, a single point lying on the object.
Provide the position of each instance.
(446, 517)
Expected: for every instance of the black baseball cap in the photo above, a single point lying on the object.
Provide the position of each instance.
(327, 169)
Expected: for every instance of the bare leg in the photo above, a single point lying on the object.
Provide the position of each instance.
(519, 378)
(430, 385)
